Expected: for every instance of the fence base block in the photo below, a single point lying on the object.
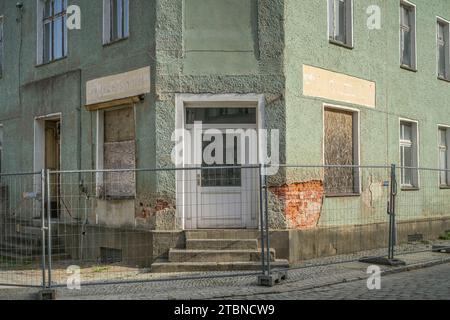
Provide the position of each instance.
(47, 294)
(383, 261)
(272, 279)
(441, 249)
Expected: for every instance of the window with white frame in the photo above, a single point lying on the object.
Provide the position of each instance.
(115, 20)
(409, 154)
(52, 31)
(341, 148)
(444, 154)
(340, 21)
(408, 35)
(443, 49)
(1, 46)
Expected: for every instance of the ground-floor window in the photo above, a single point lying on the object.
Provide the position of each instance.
(341, 148)
(409, 157)
(444, 175)
(117, 146)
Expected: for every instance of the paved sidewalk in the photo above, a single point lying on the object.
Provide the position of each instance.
(432, 283)
(222, 286)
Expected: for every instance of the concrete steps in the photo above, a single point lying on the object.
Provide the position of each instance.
(180, 255)
(217, 250)
(163, 266)
(221, 244)
(21, 242)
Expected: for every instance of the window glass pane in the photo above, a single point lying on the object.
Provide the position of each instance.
(406, 17)
(65, 35)
(114, 22)
(442, 62)
(406, 48)
(58, 38)
(221, 115)
(58, 6)
(341, 16)
(126, 23)
(443, 137)
(407, 160)
(48, 43)
(406, 132)
(48, 9)
(443, 164)
(224, 177)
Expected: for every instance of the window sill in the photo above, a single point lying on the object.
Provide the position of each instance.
(444, 187)
(443, 79)
(408, 68)
(116, 198)
(50, 62)
(110, 43)
(341, 44)
(407, 188)
(342, 195)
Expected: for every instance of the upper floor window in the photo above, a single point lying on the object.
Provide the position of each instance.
(408, 35)
(115, 20)
(340, 21)
(1, 46)
(443, 49)
(52, 31)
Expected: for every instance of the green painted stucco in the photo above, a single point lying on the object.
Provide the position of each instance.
(258, 47)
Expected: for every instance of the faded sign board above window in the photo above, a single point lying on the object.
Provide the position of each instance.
(117, 87)
(330, 85)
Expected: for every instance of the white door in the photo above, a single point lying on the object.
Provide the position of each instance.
(226, 196)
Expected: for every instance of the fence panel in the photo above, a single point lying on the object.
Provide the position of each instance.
(423, 209)
(22, 243)
(334, 213)
(141, 225)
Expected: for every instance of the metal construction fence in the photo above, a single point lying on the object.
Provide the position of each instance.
(109, 226)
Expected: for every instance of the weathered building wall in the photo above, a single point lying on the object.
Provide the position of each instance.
(396, 92)
(242, 53)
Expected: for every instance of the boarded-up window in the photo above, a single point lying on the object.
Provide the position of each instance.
(340, 150)
(119, 153)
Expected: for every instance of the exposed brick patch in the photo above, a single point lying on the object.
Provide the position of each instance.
(161, 205)
(302, 203)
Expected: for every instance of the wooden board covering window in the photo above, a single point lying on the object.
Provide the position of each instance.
(119, 152)
(339, 150)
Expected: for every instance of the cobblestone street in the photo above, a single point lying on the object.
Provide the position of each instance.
(425, 284)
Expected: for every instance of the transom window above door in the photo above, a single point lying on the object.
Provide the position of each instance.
(221, 115)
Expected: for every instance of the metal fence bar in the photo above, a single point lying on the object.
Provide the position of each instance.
(43, 227)
(49, 230)
(261, 218)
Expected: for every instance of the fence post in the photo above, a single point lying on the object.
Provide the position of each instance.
(261, 218)
(266, 212)
(392, 229)
(49, 230)
(43, 228)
